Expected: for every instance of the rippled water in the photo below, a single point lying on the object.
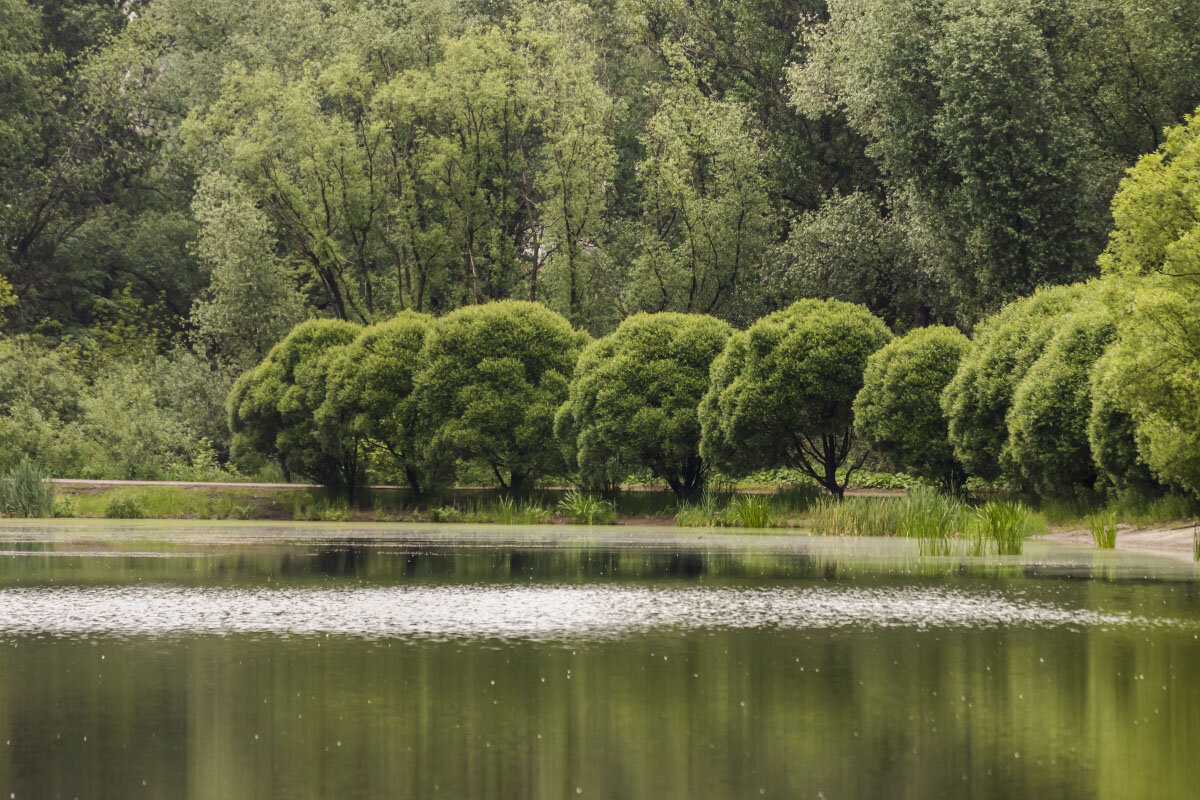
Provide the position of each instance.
(338, 662)
(514, 612)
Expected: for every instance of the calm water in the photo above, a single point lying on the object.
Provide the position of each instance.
(220, 661)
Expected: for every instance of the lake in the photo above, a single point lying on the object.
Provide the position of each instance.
(213, 660)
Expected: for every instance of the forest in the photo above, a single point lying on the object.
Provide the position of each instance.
(993, 206)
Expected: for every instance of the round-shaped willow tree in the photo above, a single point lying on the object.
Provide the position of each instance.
(1048, 422)
(633, 401)
(898, 412)
(369, 390)
(273, 407)
(492, 380)
(782, 392)
(977, 400)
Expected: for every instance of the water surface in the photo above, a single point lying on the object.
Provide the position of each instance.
(165, 660)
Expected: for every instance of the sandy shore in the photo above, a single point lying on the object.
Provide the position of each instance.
(1169, 538)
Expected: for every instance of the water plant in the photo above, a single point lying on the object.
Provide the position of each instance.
(931, 518)
(1104, 529)
(1007, 523)
(855, 516)
(751, 511)
(706, 512)
(504, 512)
(586, 509)
(24, 492)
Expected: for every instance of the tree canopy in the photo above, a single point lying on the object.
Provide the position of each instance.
(633, 400)
(782, 391)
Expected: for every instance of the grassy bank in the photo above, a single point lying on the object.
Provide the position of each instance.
(943, 525)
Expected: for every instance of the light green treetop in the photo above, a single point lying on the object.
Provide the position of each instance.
(633, 400)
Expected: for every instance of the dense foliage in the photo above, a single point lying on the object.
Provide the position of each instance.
(491, 380)
(782, 391)
(633, 400)
(898, 412)
(182, 183)
(1153, 370)
(273, 408)
(369, 389)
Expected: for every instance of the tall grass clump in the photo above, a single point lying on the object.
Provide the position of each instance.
(25, 493)
(586, 509)
(931, 518)
(751, 511)
(123, 507)
(856, 516)
(706, 512)
(1007, 523)
(1104, 529)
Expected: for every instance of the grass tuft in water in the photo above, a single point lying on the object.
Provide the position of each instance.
(1007, 523)
(932, 519)
(751, 511)
(1104, 529)
(586, 509)
(25, 493)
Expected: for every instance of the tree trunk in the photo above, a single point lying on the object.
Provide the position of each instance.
(414, 480)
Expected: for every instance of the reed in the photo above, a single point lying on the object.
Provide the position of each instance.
(931, 518)
(24, 492)
(586, 509)
(1104, 529)
(751, 511)
(1007, 523)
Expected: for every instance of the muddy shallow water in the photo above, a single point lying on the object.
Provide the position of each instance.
(202, 660)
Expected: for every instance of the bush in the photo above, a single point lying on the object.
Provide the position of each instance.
(369, 392)
(492, 380)
(633, 399)
(898, 412)
(1047, 424)
(24, 492)
(1111, 429)
(272, 408)
(122, 507)
(782, 392)
(977, 399)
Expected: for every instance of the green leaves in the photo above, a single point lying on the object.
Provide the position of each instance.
(781, 393)
(898, 412)
(492, 379)
(633, 401)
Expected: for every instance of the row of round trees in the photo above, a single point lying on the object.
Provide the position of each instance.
(1032, 400)
(1073, 386)
(513, 387)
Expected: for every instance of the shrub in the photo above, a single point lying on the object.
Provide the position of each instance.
(1111, 430)
(977, 399)
(898, 411)
(369, 391)
(1047, 424)
(492, 379)
(24, 492)
(272, 408)
(123, 507)
(782, 392)
(633, 399)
